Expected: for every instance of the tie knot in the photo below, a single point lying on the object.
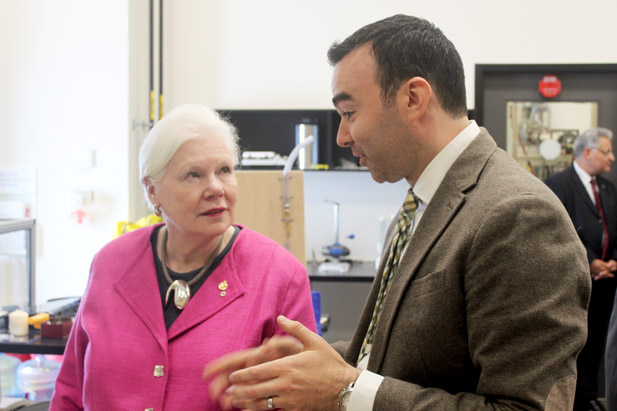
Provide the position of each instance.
(409, 205)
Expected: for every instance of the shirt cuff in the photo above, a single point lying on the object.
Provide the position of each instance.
(364, 391)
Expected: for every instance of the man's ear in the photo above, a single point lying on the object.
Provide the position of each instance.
(417, 94)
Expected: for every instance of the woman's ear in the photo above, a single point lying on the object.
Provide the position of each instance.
(150, 189)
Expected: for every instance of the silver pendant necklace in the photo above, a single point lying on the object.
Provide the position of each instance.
(182, 289)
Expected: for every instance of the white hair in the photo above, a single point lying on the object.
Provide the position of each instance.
(590, 138)
(184, 123)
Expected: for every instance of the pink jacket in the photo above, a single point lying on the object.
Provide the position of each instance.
(120, 356)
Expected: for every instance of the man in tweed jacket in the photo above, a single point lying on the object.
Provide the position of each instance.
(487, 307)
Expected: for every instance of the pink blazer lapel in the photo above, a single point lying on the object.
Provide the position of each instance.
(221, 288)
(138, 287)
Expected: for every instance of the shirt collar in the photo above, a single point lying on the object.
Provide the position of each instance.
(436, 170)
(582, 174)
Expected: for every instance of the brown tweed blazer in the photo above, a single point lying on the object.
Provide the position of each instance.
(488, 307)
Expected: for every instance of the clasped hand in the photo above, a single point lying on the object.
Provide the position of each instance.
(302, 372)
(602, 269)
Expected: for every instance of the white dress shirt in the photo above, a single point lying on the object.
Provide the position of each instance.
(367, 384)
(586, 180)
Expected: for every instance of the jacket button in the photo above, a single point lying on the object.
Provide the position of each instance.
(158, 371)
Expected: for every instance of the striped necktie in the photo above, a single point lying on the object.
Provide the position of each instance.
(401, 237)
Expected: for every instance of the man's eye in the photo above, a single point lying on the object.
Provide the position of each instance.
(348, 114)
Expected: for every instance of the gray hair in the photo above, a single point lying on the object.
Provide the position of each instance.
(590, 138)
(184, 123)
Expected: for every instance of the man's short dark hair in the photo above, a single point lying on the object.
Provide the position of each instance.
(406, 47)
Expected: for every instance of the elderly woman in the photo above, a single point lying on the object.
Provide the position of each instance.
(165, 300)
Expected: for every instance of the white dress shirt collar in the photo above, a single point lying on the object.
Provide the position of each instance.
(436, 170)
(585, 178)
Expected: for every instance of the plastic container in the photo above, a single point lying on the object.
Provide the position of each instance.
(37, 377)
(8, 382)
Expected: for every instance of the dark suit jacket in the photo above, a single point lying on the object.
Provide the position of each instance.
(488, 306)
(610, 362)
(583, 212)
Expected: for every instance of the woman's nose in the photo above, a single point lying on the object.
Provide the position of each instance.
(214, 188)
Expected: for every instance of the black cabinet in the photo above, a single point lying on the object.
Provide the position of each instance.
(275, 130)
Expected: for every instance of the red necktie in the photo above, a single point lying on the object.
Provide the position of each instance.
(601, 211)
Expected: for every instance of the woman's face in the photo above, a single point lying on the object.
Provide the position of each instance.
(198, 190)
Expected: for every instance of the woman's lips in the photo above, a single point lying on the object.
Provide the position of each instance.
(214, 211)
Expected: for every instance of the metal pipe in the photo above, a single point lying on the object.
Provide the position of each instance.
(286, 198)
(160, 59)
(336, 220)
(151, 64)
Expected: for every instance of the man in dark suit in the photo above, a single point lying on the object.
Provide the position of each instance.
(591, 202)
(480, 298)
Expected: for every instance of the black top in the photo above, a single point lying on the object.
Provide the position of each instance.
(171, 312)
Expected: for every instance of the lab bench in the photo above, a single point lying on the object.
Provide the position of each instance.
(31, 344)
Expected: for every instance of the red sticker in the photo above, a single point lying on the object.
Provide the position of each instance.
(549, 86)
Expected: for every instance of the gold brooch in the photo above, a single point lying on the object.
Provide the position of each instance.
(223, 286)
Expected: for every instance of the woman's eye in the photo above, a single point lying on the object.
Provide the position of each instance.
(193, 174)
(226, 170)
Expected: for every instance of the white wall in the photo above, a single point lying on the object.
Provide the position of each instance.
(272, 53)
(65, 89)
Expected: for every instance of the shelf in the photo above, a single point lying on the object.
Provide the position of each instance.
(13, 253)
(10, 225)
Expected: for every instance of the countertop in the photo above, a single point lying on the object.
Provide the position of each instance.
(363, 271)
(32, 344)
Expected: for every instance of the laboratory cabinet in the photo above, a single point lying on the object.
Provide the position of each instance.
(17, 289)
(275, 131)
(17, 262)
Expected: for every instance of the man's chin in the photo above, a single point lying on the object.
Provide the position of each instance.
(381, 177)
(377, 176)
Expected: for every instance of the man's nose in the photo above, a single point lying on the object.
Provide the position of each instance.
(343, 137)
